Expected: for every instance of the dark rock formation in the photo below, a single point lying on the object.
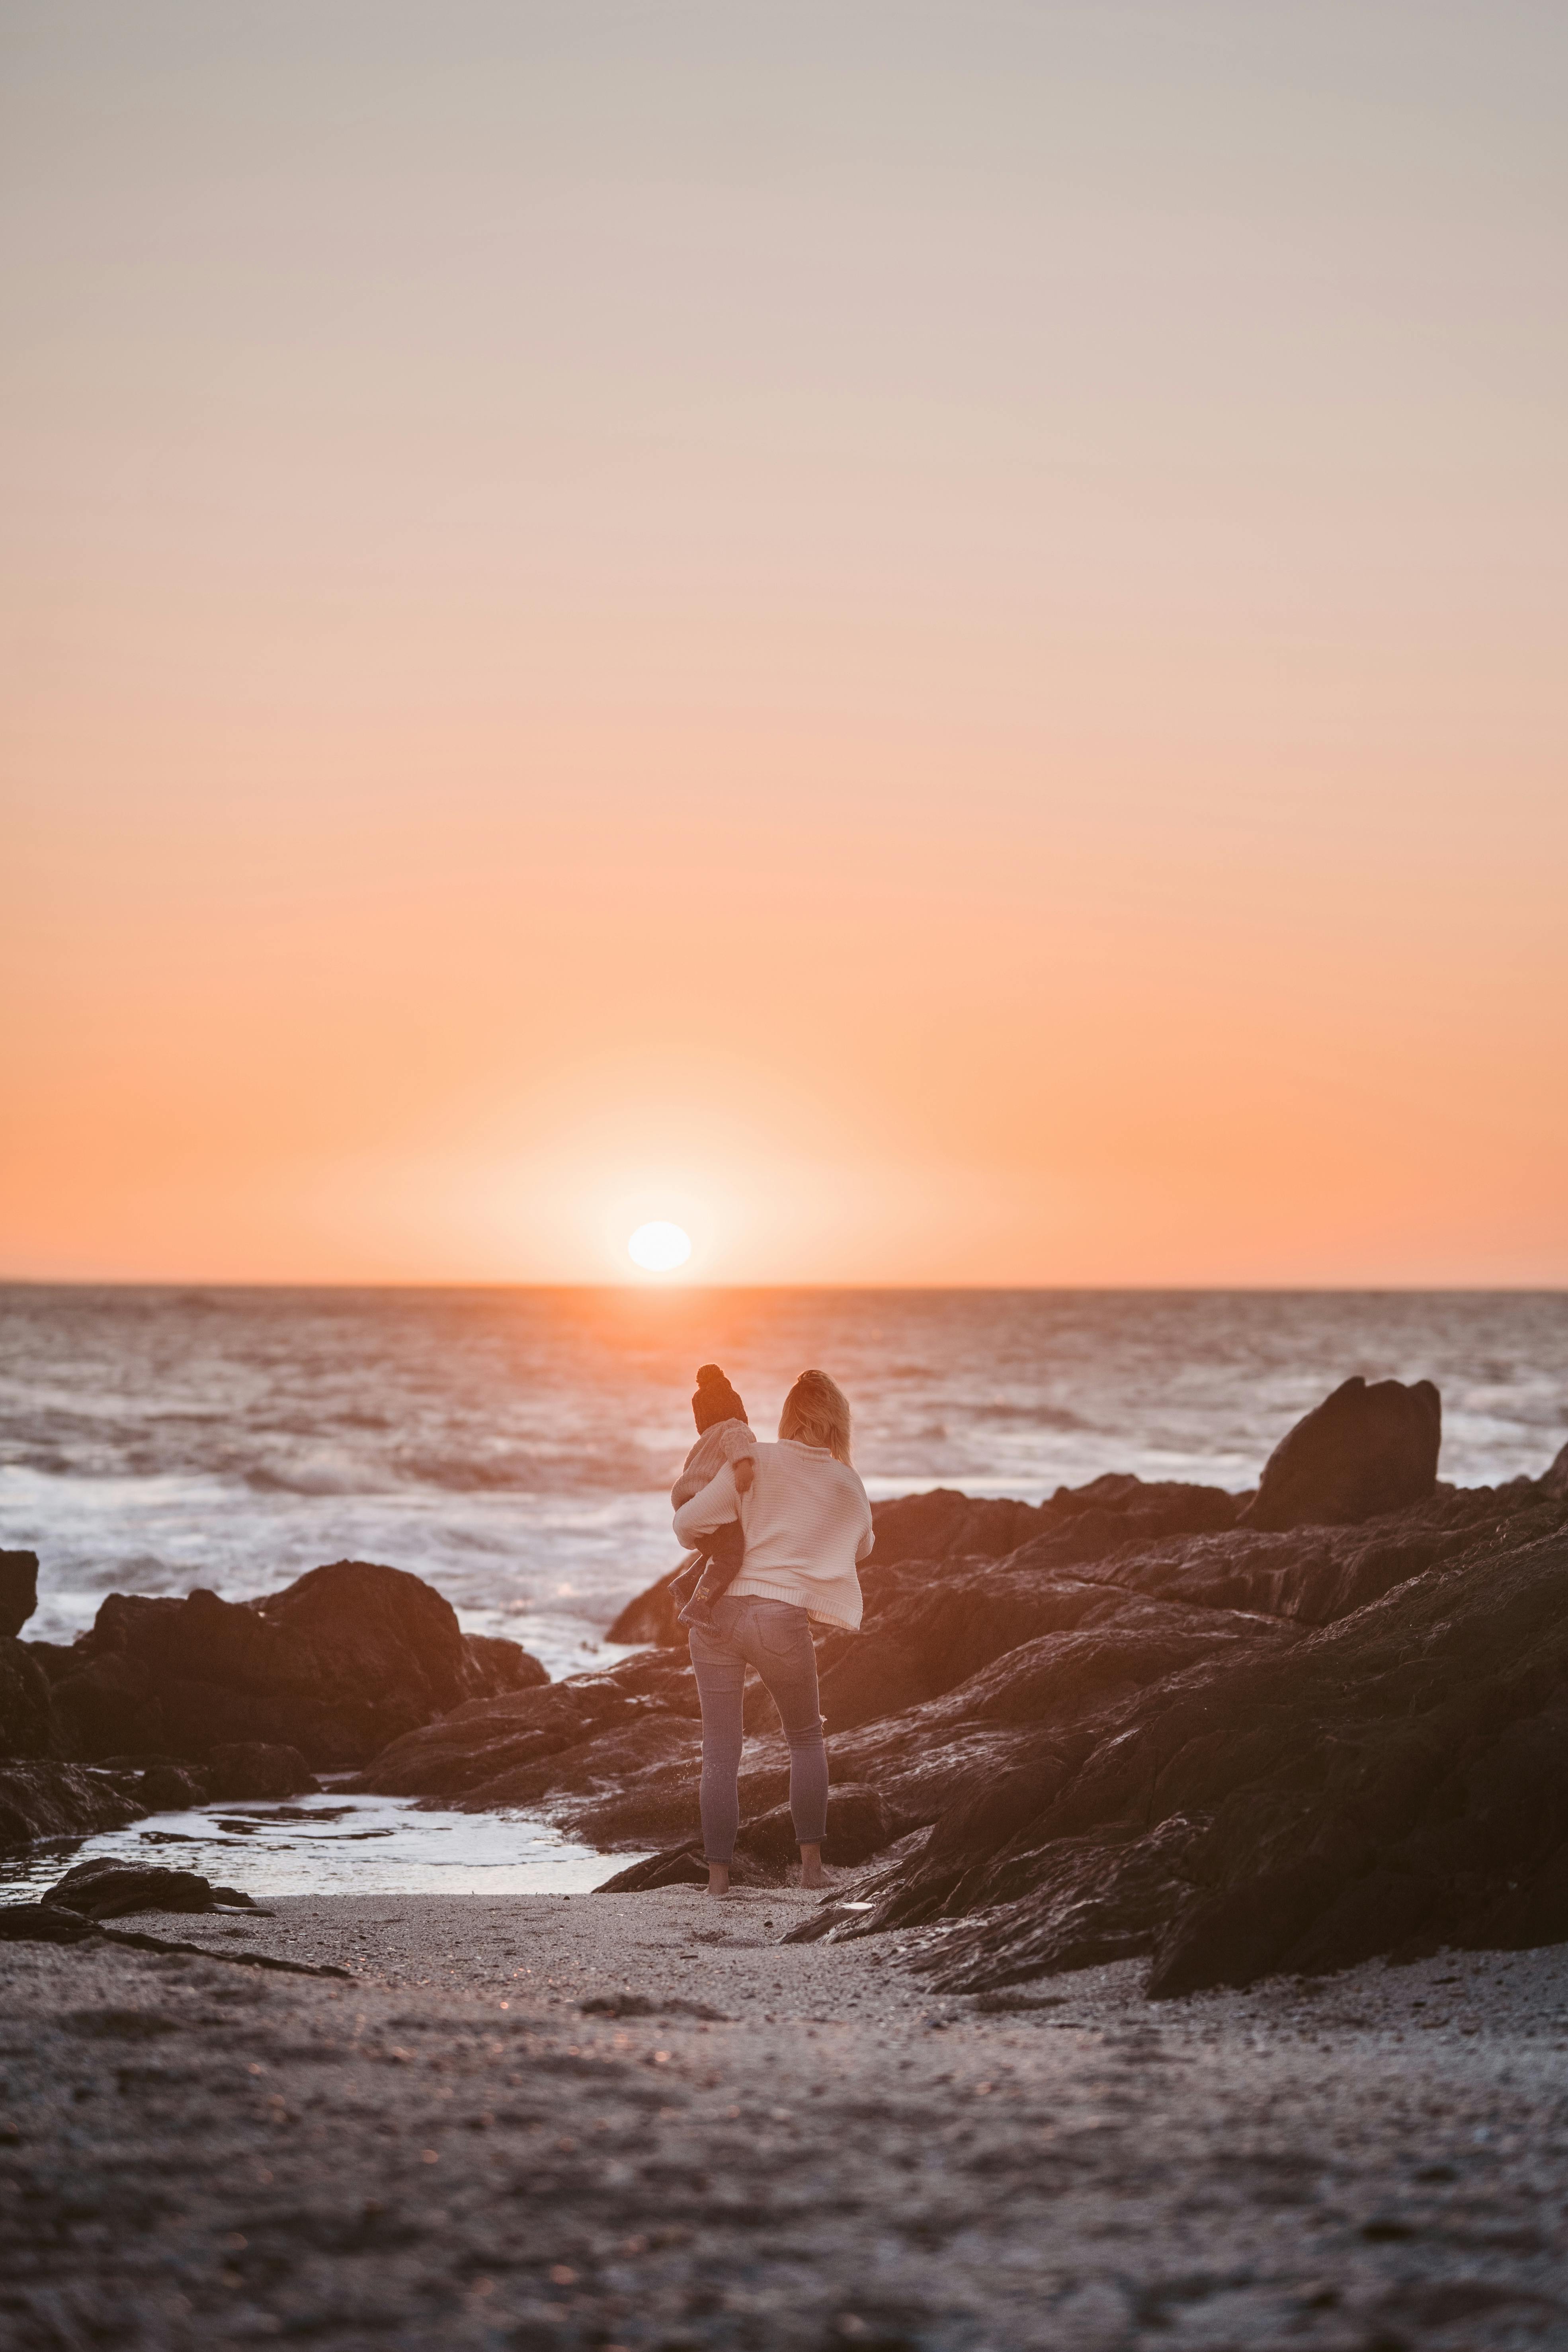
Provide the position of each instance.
(1555, 1483)
(250, 1767)
(344, 1660)
(18, 1590)
(1362, 1450)
(40, 1799)
(858, 1825)
(651, 1617)
(42, 1923)
(682, 1866)
(27, 1725)
(1396, 1779)
(110, 1890)
(164, 1787)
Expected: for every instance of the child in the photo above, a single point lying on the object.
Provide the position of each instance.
(723, 1436)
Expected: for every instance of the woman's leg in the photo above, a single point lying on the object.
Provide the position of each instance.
(785, 1657)
(721, 1672)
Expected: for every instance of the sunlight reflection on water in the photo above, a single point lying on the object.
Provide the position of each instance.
(332, 1845)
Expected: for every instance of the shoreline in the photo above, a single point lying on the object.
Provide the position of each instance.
(448, 2150)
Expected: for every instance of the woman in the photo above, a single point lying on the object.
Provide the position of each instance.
(806, 1522)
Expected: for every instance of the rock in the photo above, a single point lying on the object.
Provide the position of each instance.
(1394, 1780)
(42, 1923)
(341, 1662)
(635, 1784)
(877, 1674)
(858, 1825)
(486, 1739)
(496, 1664)
(18, 1590)
(109, 1890)
(168, 1787)
(27, 1724)
(252, 1768)
(651, 1617)
(40, 1799)
(1554, 1485)
(58, 1659)
(108, 1706)
(1360, 1452)
(946, 1525)
(682, 1866)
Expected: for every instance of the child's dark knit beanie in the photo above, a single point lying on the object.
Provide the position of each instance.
(715, 1399)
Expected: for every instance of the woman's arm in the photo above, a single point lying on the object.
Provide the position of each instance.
(717, 1503)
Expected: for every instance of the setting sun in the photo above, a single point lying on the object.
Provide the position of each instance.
(659, 1248)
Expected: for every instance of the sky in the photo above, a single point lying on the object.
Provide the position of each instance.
(928, 640)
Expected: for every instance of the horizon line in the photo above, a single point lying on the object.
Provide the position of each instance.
(673, 1289)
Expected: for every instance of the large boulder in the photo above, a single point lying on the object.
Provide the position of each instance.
(1362, 1451)
(27, 1725)
(341, 1662)
(18, 1590)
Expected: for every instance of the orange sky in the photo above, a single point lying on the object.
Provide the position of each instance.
(926, 639)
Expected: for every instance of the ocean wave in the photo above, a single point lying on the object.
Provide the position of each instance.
(1031, 1416)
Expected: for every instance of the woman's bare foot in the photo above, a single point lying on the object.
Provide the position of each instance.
(812, 1874)
(717, 1878)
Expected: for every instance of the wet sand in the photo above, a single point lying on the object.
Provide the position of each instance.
(447, 2150)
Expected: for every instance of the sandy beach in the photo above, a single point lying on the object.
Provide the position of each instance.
(504, 2130)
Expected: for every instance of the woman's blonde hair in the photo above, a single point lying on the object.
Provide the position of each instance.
(816, 1412)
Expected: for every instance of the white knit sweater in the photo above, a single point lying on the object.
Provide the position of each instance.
(807, 1522)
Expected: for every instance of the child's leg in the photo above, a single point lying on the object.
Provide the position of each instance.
(726, 1556)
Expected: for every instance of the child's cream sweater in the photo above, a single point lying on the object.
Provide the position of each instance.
(727, 1440)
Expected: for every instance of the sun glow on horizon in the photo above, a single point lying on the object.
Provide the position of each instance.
(658, 1247)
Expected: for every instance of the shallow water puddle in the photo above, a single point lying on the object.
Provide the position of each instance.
(333, 1844)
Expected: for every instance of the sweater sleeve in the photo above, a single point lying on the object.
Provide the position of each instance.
(717, 1503)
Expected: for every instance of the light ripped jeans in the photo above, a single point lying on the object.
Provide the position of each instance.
(774, 1637)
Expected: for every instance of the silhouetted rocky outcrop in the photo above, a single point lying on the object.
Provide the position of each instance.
(19, 1588)
(1362, 1450)
(1396, 1779)
(339, 1662)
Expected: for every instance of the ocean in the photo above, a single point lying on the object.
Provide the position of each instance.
(516, 1446)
